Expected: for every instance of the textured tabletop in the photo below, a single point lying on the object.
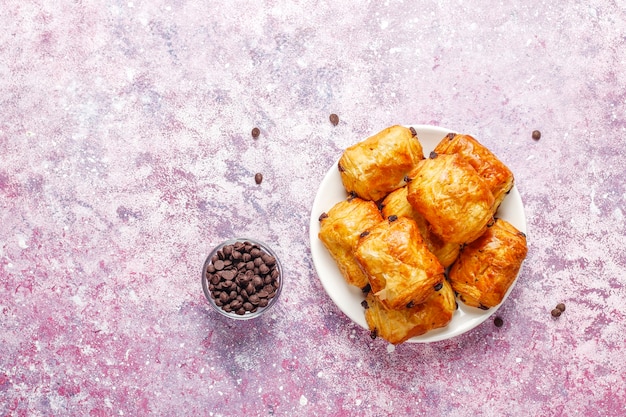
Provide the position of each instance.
(126, 155)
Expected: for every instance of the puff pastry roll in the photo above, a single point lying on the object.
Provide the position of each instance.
(397, 204)
(340, 229)
(487, 267)
(379, 164)
(496, 175)
(397, 326)
(399, 267)
(452, 197)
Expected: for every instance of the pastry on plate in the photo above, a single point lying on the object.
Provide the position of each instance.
(452, 197)
(487, 267)
(397, 204)
(397, 326)
(340, 229)
(399, 267)
(379, 164)
(496, 175)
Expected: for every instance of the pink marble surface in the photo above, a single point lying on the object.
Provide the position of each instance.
(125, 155)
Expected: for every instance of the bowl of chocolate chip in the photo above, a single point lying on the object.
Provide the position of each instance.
(242, 278)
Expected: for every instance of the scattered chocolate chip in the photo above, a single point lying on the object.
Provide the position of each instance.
(258, 178)
(334, 119)
(374, 334)
(451, 135)
(352, 195)
(407, 179)
(366, 289)
(432, 155)
(410, 304)
(439, 286)
(536, 135)
(498, 322)
(364, 304)
(323, 216)
(256, 132)
(413, 131)
(482, 307)
(340, 168)
(365, 233)
(392, 218)
(561, 307)
(556, 312)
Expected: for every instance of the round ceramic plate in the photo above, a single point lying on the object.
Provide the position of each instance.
(347, 297)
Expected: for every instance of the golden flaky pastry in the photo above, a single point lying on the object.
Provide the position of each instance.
(496, 175)
(399, 267)
(397, 326)
(397, 204)
(452, 197)
(379, 164)
(340, 229)
(487, 267)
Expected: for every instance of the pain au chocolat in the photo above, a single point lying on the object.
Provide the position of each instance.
(340, 229)
(452, 197)
(397, 326)
(496, 175)
(487, 267)
(378, 165)
(399, 267)
(397, 204)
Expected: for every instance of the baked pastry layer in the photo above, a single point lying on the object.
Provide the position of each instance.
(379, 164)
(452, 197)
(487, 267)
(399, 267)
(496, 175)
(340, 229)
(397, 326)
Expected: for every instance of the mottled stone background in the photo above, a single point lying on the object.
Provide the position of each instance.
(126, 154)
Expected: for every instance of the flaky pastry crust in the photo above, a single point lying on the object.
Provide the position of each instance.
(397, 326)
(452, 197)
(487, 267)
(496, 175)
(379, 164)
(340, 229)
(399, 267)
(396, 203)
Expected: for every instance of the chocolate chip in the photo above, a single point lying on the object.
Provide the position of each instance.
(536, 135)
(364, 304)
(556, 312)
(413, 131)
(451, 135)
(561, 307)
(498, 322)
(410, 304)
(374, 334)
(256, 132)
(323, 216)
(432, 155)
(334, 119)
(392, 218)
(483, 307)
(242, 278)
(366, 289)
(439, 286)
(258, 178)
(365, 233)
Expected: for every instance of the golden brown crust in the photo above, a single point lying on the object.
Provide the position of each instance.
(397, 326)
(339, 231)
(452, 197)
(396, 203)
(496, 175)
(399, 267)
(378, 165)
(487, 267)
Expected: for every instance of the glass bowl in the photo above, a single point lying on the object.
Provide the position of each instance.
(242, 278)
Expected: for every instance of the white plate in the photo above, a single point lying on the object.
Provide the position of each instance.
(347, 297)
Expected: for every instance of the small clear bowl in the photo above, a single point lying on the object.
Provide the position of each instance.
(209, 289)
